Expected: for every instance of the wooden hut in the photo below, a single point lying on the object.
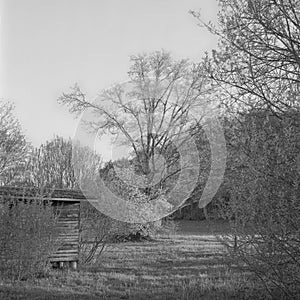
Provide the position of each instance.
(67, 202)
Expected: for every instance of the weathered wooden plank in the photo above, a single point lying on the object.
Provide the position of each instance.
(64, 258)
(69, 250)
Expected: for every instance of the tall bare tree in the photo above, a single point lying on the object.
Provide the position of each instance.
(152, 112)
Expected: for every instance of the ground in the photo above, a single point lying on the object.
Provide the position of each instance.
(188, 265)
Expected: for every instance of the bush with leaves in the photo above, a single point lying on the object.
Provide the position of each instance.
(263, 207)
(121, 184)
(97, 231)
(256, 69)
(28, 236)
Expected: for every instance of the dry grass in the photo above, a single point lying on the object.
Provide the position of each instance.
(189, 265)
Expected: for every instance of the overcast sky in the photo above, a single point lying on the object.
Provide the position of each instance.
(48, 45)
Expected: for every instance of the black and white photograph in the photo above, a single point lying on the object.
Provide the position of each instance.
(149, 149)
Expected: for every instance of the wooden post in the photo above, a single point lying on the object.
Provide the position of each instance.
(73, 265)
(205, 212)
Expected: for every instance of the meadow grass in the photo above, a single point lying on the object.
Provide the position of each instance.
(188, 265)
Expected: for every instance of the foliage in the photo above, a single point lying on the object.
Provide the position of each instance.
(136, 196)
(29, 235)
(13, 146)
(52, 165)
(97, 231)
(264, 205)
(257, 65)
(257, 68)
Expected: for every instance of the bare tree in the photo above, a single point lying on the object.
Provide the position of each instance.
(51, 165)
(163, 99)
(13, 145)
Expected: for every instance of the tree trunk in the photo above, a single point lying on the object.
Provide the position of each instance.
(205, 213)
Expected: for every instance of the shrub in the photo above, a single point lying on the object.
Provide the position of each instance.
(97, 231)
(28, 236)
(263, 207)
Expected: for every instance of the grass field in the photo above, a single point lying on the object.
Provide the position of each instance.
(188, 265)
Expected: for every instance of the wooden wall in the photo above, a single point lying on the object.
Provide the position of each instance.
(68, 222)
